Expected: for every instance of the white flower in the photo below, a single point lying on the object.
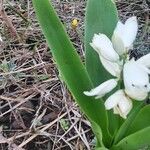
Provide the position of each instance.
(122, 39)
(136, 80)
(112, 67)
(120, 103)
(108, 56)
(102, 89)
(114, 58)
(124, 35)
(103, 46)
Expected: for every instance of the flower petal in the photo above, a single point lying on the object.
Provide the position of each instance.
(115, 110)
(136, 93)
(130, 31)
(145, 60)
(124, 35)
(135, 75)
(104, 47)
(102, 89)
(117, 38)
(120, 103)
(118, 44)
(136, 80)
(125, 106)
(112, 67)
(114, 99)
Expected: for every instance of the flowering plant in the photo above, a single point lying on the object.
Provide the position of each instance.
(114, 57)
(123, 81)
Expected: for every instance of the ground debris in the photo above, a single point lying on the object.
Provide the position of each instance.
(33, 100)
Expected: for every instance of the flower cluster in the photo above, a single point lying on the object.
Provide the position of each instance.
(114, 57)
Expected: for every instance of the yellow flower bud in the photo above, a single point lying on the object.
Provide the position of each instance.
(74, 23)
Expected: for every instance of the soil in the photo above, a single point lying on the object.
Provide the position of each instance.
(37, 112)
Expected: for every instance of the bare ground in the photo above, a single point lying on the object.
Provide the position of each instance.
(36, 109)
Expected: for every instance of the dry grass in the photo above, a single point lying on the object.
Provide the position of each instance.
(36, 109)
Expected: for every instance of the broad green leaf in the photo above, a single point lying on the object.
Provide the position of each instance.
(135, 141)
(70, 65)
(98, 133)
(101, 17)
(126, 125)
(141, 121)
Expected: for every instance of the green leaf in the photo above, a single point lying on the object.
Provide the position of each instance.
(98, 133)
(101, 148)
(101, 17)
(70, 65)
(141, 121)
(127, 123)
(135, 141)
(115, 121)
